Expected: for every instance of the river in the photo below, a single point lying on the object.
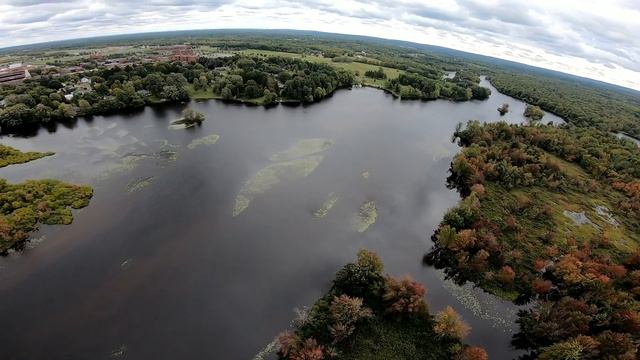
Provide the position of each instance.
(157, 266)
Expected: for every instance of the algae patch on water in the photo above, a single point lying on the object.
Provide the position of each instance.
(365, 217)
(300, 160)
(139, 184)
(302, 148)
(326, 206)
(207, 140)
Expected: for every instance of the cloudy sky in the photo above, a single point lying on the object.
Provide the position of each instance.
(592, 38)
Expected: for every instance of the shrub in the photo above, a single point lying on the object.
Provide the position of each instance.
(308, 350)
(345, 312)
(568, 350)
(473, 353)
(404, 296)
(367, 259)
(291, 347)
(363, 279)
(506, 275)
(287, 342)
(448, 323)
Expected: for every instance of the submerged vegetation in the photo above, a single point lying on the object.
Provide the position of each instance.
(136, 185)
(299, 161)
(365, 217)
(511, 235)
(328, 204)
(367, 315)
(23, 206)
(206, 140)
(11, 156)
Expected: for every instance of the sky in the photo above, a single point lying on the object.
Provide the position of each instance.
(591, 38)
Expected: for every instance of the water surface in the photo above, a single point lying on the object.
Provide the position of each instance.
(157, 266)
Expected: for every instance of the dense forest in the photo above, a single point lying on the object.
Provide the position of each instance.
(367, 315)
(551, 214)
(261, 80)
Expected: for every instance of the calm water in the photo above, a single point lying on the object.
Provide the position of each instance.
(166, 272)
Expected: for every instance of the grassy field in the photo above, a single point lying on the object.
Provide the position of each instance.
(209, 94)
(357, 68)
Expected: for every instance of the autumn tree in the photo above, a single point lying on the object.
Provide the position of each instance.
(449, 323)
(404, 296)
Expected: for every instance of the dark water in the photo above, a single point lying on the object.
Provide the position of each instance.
(166, 272)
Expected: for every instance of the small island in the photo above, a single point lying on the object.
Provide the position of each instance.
(190, 118)
(23, 206)
(503, 109)
(11, 156)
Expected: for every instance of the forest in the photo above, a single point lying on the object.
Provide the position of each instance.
(117, 89)
(367, 315)
(550, 215)
(259, 80)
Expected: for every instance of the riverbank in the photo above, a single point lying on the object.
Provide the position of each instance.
(542, 221)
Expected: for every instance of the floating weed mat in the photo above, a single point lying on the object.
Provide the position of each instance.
(483, 305)
(269, 349)
(326, 206)
(299, 161)
(303, 148)
(365, 217)
(119, 352)
(165, 155)
(136, 185)
(207, 140)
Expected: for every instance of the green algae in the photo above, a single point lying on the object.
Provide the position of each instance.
(273, 174)
(269, 349)
(207, 140)
(298, 161)
(326, 206)
(303, 148)
(136, 185)
(365, 217)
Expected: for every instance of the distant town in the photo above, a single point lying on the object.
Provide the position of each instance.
(55, 64)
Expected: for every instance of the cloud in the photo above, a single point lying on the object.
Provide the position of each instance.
(597, 39)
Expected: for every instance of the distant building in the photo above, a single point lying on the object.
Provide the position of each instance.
(15, 73)
(85, 80)
(183, 53)
(69, 97)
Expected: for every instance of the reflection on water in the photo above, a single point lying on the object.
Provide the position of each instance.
(157, 266)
